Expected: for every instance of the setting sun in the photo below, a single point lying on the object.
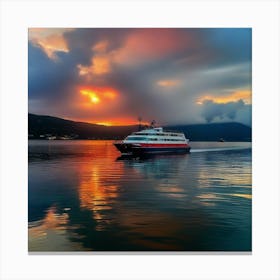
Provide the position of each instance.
(94, 99)
(97, 95)
(92, 95)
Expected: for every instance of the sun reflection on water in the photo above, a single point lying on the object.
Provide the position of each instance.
(97, 188)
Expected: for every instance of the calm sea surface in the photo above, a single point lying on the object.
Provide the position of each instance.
(83, 197)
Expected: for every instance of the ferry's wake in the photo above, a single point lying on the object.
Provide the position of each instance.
(217, 149)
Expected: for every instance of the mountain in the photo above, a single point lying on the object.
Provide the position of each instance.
(42, 125)
(214, 131)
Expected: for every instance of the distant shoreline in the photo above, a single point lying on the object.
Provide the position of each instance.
(48, 127)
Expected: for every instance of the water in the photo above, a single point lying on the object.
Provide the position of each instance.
(83, 197)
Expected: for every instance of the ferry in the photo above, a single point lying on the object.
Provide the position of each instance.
(153, 141)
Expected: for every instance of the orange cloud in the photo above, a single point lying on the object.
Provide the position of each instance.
(100, 62)
(168, 83)
(140, 46)
(100, 47)
(245, 95)
(51, 40)
(100, 65)
(150, 43)
(39, 32)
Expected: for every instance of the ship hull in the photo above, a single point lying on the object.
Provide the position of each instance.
(141, 149)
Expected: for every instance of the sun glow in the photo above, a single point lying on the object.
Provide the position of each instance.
(95, 99)
(92, 95)
(97, 95)
(104, 123)
(115, 121)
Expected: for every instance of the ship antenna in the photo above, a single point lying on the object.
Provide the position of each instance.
(153, 123)
(139, 125)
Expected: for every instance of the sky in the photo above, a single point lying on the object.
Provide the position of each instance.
(113, 76)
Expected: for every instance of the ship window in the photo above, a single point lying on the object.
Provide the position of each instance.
(136, 138)
(139, 133)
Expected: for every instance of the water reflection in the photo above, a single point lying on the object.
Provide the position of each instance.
(50, 233)
(84, 197)
(95, 194)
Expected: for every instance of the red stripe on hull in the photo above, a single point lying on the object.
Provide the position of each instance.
(144, 148)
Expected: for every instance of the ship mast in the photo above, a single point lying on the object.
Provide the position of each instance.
(139, 124)
(153, 122)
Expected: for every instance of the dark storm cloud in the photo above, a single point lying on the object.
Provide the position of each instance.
(82, 40)
(48, 79)
(203, 61)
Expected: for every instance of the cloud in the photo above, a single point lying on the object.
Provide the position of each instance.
(168, 83)
(243, 94)
(158, 74)
(212, 110)
(232, 45)
(49, 80)
(100, 65)
(50, 40)
(152, 44)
